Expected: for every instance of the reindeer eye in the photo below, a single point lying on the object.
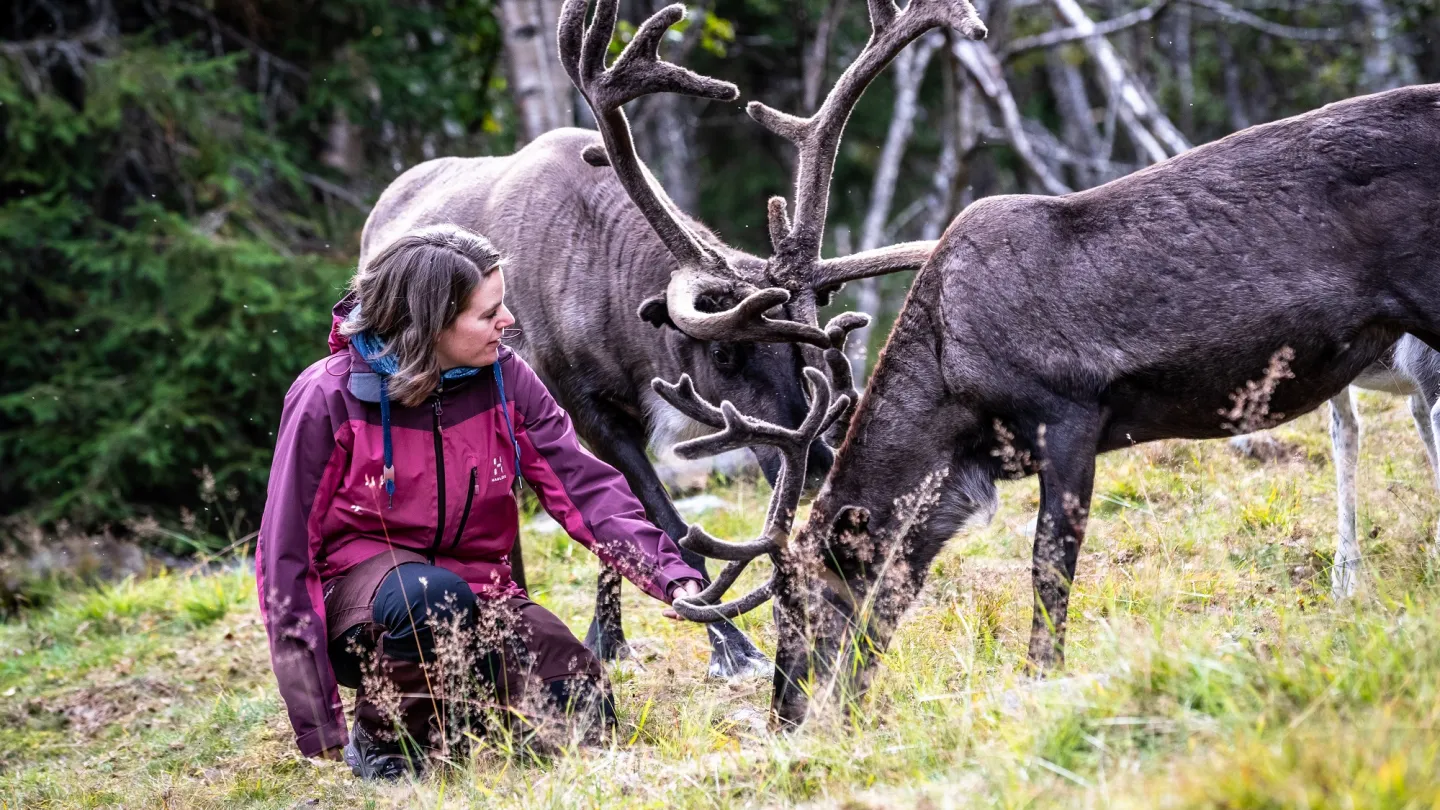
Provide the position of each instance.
(724, 356)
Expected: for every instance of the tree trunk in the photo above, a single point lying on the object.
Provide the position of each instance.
(541, 90)
(1184, 65)
(817, 57)
(940, 202)
(674, 134)
(1077, 129)
(1234, 95)
(1388, 62)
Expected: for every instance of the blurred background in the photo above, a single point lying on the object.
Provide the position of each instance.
(182, 184)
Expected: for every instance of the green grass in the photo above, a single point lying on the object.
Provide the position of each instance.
(1207, 668)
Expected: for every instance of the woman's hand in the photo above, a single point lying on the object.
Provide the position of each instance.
(685, 589)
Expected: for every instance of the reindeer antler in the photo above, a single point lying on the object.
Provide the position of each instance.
(640, 71)
(841, 375)
(797, 245)
(796, 264)
(738, 430)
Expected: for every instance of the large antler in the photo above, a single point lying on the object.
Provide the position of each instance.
(640, 71)
(738, 430)
(797, 260)
(796, 265)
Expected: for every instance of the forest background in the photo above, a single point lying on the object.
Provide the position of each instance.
(182, 184)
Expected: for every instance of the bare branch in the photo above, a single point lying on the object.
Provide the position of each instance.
(985, 67)
(1226, 11)
(1152, 132)
(1060, 36)
(340, 193)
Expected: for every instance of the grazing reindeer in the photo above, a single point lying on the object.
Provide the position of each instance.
(589, 245)
(1046, 330)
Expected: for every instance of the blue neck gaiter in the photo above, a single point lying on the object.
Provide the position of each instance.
(383, 362)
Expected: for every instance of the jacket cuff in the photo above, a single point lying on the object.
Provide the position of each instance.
(330, 735)
(667, 577)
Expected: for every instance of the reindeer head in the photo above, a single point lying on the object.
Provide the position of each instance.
(744, 314)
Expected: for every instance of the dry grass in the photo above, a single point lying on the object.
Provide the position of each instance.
(1208, 668)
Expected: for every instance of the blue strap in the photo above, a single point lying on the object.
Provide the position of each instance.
(389, 472)
(500, 384)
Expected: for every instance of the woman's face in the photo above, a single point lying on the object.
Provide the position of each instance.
(474, 338)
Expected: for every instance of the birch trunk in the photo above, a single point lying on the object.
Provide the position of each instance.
(1388, 63)
(538, 83)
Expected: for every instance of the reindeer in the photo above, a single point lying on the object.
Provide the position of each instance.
(591, 239)
(1046, 330)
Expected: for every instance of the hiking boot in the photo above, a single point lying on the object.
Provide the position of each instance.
(370, 758)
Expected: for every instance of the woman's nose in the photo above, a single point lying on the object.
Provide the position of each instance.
(505, 318)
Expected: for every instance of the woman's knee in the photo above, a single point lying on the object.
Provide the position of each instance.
(417, 601)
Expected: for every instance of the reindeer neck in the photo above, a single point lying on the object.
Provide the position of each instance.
(904, 460)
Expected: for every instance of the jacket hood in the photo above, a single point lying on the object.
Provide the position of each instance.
(338, 314)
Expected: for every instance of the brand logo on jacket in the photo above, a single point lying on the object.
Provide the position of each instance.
(497, 471)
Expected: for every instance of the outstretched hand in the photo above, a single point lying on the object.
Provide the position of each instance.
(685, 590)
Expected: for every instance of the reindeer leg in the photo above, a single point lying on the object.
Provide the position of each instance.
(1430, 394)
(619, 440)
(1067, 476)
(1422, 409)
(1345, 439)
(606, 636)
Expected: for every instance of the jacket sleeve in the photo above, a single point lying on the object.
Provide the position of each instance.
(291, 603)
(584, 494)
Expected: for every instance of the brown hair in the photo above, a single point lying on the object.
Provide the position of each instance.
(411, 291)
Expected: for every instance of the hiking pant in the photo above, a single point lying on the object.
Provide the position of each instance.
(427, 658)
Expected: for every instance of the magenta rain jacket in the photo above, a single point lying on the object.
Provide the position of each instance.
(327, 509)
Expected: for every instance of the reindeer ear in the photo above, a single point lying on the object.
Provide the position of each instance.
(654, 312)
(852, 520)
(595, 155)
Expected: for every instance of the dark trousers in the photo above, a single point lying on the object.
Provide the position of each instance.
(432, 661)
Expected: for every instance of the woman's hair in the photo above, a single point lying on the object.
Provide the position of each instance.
(411, 291)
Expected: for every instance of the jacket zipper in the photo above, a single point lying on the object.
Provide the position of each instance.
(439, 480)
(465, 515)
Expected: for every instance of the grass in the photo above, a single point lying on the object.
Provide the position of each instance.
(1208, 668)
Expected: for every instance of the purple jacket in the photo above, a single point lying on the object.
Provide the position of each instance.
(327, 509)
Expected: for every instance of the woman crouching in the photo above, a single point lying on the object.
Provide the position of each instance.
(391, 515)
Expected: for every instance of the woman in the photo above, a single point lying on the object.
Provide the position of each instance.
(391, 516)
